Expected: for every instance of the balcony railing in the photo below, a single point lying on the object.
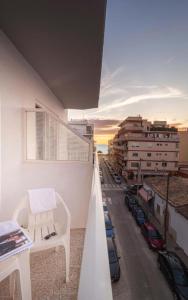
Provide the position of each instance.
(48, 138)
(95, 280)
(151, 138)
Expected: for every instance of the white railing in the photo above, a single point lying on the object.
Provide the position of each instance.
(95, 283)
(50, 139)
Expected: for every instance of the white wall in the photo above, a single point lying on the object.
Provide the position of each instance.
(95, 282)
(20, 86)
(178, 225)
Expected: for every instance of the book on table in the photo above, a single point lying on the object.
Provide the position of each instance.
(12, 239)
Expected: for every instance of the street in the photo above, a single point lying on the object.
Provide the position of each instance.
(140, 276)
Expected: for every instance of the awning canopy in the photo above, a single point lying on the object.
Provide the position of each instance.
(145, 195)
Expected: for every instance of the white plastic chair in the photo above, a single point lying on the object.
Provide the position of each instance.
(21, 263)
(37, 226)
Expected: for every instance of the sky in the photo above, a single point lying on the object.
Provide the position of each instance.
(145, 65)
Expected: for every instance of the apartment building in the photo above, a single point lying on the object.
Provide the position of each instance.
(144, 148)
(183, 151)
(83, 127)
(50, 61)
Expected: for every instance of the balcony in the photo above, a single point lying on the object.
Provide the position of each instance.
(120, 147)
(133, 137)
(89, 266)
(47, 278)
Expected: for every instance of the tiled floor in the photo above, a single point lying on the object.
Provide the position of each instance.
(48, 273)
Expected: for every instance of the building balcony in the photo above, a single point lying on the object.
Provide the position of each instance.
(133, 137)
(89, 266)
(120, 147)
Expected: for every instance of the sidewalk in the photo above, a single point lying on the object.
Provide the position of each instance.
(171, 244)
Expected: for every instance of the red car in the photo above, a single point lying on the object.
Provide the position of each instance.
(152, 236)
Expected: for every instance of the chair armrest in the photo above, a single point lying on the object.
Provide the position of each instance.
(21, 206)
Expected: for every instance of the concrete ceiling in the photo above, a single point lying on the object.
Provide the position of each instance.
(63, 41)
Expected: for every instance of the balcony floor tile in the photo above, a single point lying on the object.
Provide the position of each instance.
(48, 273)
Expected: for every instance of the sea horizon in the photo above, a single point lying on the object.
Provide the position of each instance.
(102, 147)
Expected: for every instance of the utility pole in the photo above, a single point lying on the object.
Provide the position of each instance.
(166, 208)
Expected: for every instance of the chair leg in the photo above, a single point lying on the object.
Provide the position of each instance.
(67, 260)
(25, 280)
(12, 281)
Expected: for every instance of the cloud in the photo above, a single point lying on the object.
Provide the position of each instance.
(170, 60)
(169, 93)
(105, 126)
(178, 124)
(108, 86)
(146, 87)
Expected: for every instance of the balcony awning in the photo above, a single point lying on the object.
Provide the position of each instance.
(63, 41)
(145, 195)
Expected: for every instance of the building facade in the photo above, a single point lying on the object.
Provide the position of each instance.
(83, 127)
(183, 155)
(143, 148)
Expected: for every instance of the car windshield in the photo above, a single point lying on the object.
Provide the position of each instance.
(105, 207)
(140, 214)
(154, 234)
(112, 256)
(180, 277)
(133, 201)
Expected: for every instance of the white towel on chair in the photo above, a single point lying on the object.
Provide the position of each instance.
(42, 200)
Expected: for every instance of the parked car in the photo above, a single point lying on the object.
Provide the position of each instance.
(105, 208)
(132, 202)
(140, 217)
(113, 260)
(134, 188)
(108, 225)
(175, 272)
(135, 209)
(152, 236)
(117, 179)
(101, 179)
(128, 196)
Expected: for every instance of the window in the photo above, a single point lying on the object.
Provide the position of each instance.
(148, 164)
(176, 164)
(135, 154)
(149, 154)
(164, 164)
(177, 145)
(135, 145)
(134, 165)
(47, 138)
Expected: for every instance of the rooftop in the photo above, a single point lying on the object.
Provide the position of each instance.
(183, 210)
(178, 189)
